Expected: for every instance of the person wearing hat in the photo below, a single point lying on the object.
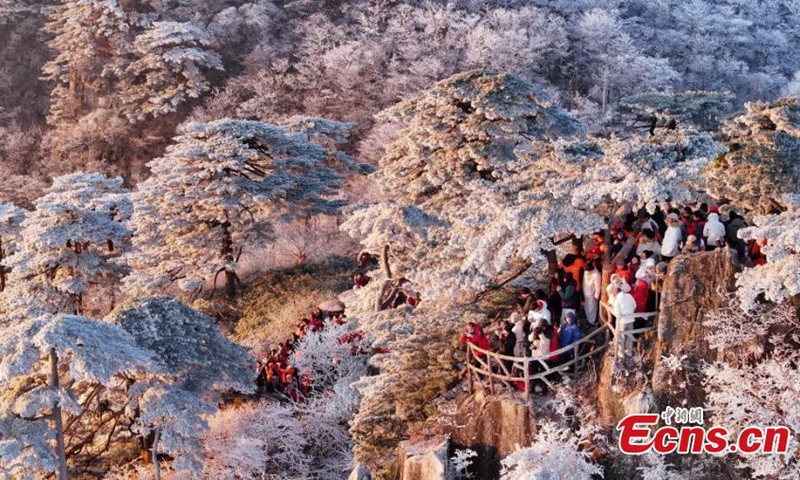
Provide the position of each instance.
(714, 230)
(624, 309)
(670, 246)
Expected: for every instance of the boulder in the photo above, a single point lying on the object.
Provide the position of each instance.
(491, 426)
(424, 459)
(360, 472)
(694, 285)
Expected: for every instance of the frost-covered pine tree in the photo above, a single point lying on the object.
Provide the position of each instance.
(44, 362)
(779, 279)
(171, 58)
(220, 189)
(465, 208)
(66, 246)
(88, 35)
(170, 411)
(11, 217)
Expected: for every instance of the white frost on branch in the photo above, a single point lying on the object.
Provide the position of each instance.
(169, 69)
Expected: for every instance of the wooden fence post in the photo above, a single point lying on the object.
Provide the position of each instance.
(575, 359)
(527, 376)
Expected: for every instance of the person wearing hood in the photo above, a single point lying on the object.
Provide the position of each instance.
(714, 231)
(473, 333)
(592, 287)
(570, 333)
(540, 314)
(624, 309)
(670, 246)
(641, 289)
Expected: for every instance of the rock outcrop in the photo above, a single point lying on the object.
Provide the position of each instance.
(491, 426)
(423, 459)
(695, 285)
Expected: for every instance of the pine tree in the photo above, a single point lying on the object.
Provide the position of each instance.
(219, 190)
(49, 359)
(200, 364)
(66, 246)
(89, 37)
(168, 70)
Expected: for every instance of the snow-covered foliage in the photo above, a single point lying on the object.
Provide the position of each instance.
(761, 387)
(462, 211)
(779, 235)
(87, 33)
(417, 361)
(88, 352)
(556, 453)
(633, 173)
(332, 361)
(731, 326)
(168, 70)
(66, 246)
(460, 463)
(199, 364)
(701, 109)
(221, 188)
(11, 217)
(760, 166)
(278, 440)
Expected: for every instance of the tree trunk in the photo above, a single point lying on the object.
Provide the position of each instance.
(156, 467)
(386, 288)
(2, 268)
(61, 455)
(227, 256)
(552, 260)
(387, 269)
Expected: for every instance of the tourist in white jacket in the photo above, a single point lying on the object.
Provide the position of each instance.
(671, 244)
(624, 309)
(714, 231)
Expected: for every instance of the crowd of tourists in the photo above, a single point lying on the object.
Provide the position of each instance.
(276, 374)
(558, 315)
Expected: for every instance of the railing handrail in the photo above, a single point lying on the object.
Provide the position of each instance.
(480, 360)
(569, 347)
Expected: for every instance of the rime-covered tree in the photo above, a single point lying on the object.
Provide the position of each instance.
(761, 163)
(219, 190)
(88, 36)
(554, 454)
(11, 217)
(66, 246)
(462, 211)
(760, 389)
(654, 110)
(168, 70)
(45, 362)
(170, 412)
(779, 279)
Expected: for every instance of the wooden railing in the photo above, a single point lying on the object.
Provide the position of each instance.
(488, 368)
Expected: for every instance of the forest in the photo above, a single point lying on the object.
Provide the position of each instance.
(406, 239)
